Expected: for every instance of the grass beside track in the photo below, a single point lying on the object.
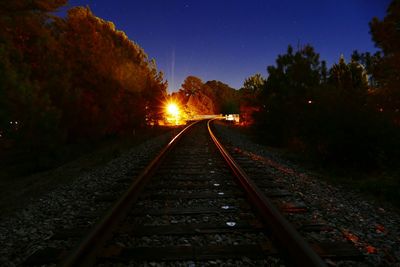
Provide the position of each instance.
(25, 176)
(380, 185)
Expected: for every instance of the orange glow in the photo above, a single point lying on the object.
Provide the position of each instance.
(351, 237)
(173, 114)
(371, 250)
(172, 109)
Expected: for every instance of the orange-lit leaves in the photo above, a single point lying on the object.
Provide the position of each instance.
(380, 229)
(350, 236)
(371, 250)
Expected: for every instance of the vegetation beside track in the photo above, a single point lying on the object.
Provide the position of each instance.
(381, 185)
(28, 174)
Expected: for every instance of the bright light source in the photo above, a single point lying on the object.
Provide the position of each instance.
(172, 109)
(173, 113)
(309, 101)
(231, 224)
(229, 117)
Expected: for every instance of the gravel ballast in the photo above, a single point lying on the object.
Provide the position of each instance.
(374, 228)
(74, 205)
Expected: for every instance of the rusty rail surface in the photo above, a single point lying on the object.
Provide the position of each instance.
(295, 248)
(87, 252)
(298, 250)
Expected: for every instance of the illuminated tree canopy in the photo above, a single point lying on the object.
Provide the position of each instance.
(72, 78)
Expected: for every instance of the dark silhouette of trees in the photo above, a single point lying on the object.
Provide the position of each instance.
(386, 36)
(27, 50)
(287, 92)
(330, 114)
(36, 6)
(254, 84)
(71, 79)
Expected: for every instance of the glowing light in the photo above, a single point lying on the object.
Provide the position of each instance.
(173, 114)
(229, 117)
(235, 118)
(172, 109)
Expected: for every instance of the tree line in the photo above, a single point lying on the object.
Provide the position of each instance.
(72, 78)
(347, 114)
(211, 97)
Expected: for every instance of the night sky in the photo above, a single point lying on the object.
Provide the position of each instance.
(231, 40)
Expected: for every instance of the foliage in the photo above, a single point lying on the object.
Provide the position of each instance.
(223, 98)
(287, 92)
(113, 84)
(254, 84)
(251, 95)
(191, 85)
(330, 114)
(28, 116)
(70, 79)
(386, 35)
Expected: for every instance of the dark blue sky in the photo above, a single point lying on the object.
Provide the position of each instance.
(233, 39)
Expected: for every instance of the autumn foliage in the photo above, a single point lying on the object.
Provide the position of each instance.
(72, 78)
(212, 97)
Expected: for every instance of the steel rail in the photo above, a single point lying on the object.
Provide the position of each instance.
(90, 247)
(297, 249)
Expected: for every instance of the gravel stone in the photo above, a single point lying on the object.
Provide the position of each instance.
(71, 206)
(374, 228)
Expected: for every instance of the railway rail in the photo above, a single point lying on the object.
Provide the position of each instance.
(194, 204)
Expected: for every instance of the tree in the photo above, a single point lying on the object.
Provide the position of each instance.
(254, 84)
(286, 95)
(370, 62)
(114, 83)
(31, 6)
(192, 85)
(351, 79)
(226, 99)
(27, 51)
(71, 79)
(386, 36)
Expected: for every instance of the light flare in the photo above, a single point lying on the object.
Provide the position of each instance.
(172, 109)
(173, 114)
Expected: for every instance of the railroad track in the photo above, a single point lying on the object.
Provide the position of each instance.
(193, 207)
